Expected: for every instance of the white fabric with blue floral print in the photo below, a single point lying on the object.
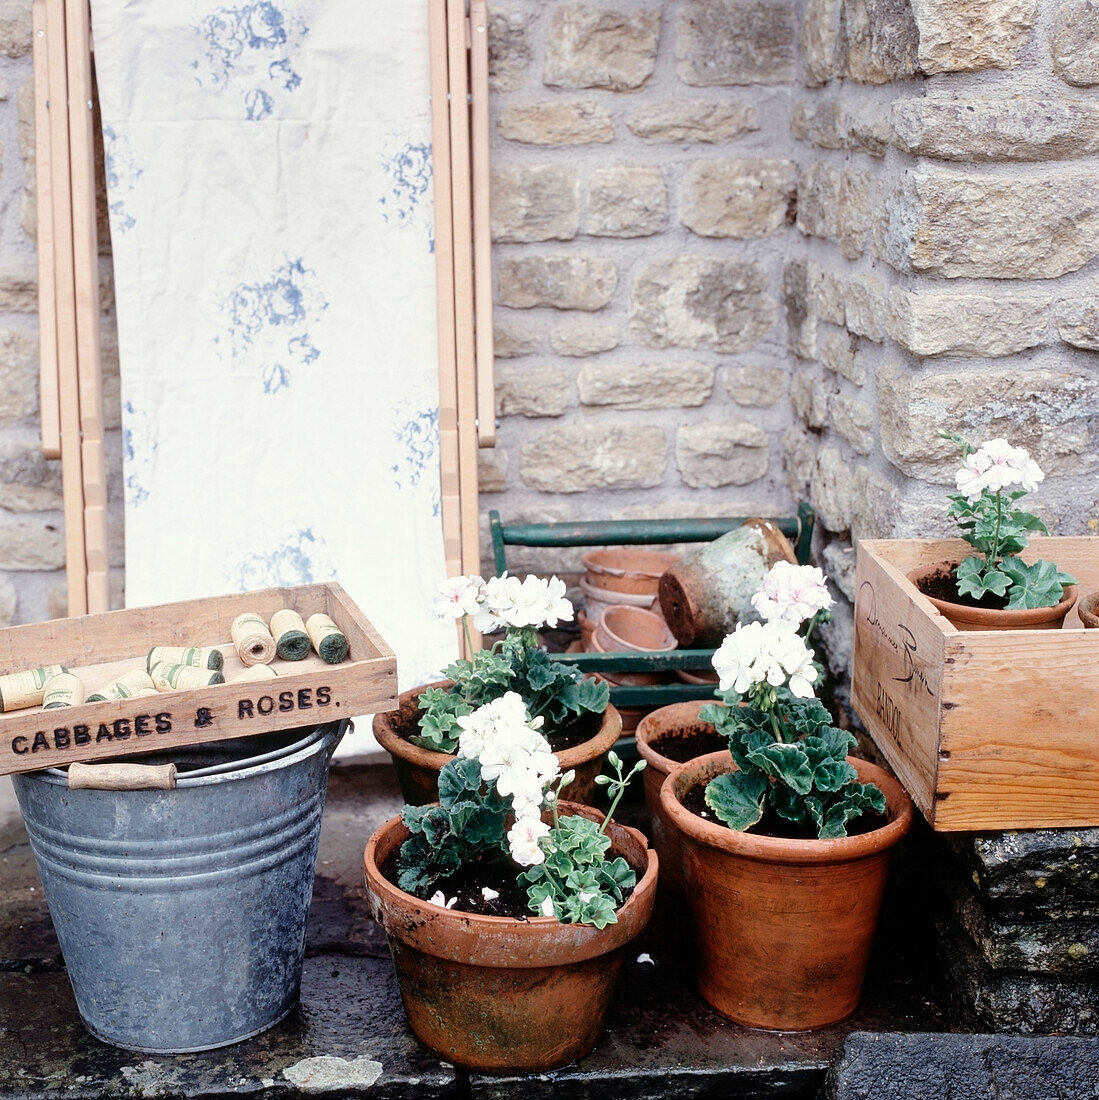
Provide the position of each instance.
(269, 185)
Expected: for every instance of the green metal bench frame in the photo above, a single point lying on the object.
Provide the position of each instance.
(798, 528)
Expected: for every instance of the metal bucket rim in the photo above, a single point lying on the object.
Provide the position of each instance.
(234, 769)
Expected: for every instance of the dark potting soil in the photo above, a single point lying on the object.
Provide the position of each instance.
(566, 736)
(943, 585)
(500, 875)
(686, 743)
(771, 824)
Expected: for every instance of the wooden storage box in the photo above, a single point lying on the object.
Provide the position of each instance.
(987, 729)
(100, 648)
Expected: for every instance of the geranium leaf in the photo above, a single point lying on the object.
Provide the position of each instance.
(737, 798)
(787, 762)
(1037, 585)
(787, 803)
(974, 579)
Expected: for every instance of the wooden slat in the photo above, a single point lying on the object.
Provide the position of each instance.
(457, 26)
(72, 481)
(482, 229)
(47, 303)
(86, 290)
(444, 296)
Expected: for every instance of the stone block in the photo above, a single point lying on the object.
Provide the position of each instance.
(837, 354)
(15, 28)
(853, 219)
(837, 638)
(819, 200)
(509, 49)
(626, 200)
(965, 224)
(961, 36)
(28, 544)
(839, 566)
(721, 452)
(880, 40)
(1077, 321)
(831, 489)
(825, 291)
(576, 457)
(558, 281)
(741, 197)
(874, 505)
(737, 42)
(540, 203)
(868, 128)
(658, 385)
(798, 460)
(697, 301)
(821, 39)
(492, 470)
(9, 602)
(950, 322)
(1045, 410)
(511, 338)
(934, 1066)
(865, 303)
(801, 324)
(854, 420)
(809, 398)
(579, 122)
(29, 204)
(584, 335)
(1074, 42)
(819, 120)
(704, 120)
(757, 387)
(18, 376)
(982, 997)
(18, 293)
(533, 390)
(1008, 128)
(28, 482)
(594, 47)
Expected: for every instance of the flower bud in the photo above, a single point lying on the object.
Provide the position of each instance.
(567, 778)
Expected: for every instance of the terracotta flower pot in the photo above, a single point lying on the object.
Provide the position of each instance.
(501, 995)
(418, 769)
(1088, 610)
(984, 618)
(676, 720)
(598, 600)
(783, 928)
(633, 630)
(627, 568)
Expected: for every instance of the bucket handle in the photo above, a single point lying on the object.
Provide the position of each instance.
(122, 777)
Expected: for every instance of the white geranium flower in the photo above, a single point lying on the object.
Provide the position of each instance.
(440, 899)
(792, 593)
(458, 596)
(772, 653)
(498, 598)
(489, 894)
(547, 907)
(796, 660)
(523, 838)
(1030, 474)
(970, 479)
(503, 718)
(539, 603)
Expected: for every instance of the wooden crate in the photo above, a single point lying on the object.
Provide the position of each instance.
(986, 729)
(99, 648)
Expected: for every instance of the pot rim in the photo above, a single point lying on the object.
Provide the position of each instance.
(770, 849)
(625, 611)
(1089, 604)
(640, 557)
(1019, 617)
(475, 938)
(385, 732)
(681, 713)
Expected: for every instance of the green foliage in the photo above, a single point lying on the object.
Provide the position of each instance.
(553, 690)
(469, 822)
(788, 756)
(583, 886)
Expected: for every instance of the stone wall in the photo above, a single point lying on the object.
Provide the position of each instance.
(746, 252)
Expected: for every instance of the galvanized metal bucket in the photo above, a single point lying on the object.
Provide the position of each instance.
(181, 913)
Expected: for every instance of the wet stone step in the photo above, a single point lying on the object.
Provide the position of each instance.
(348, 1034)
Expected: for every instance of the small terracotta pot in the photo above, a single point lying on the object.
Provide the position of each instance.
(1088, 610)
(418, 769)
(627, 568)
(633, 630)
(783, 928)
(501, 995)
(681, 718)
(697, 676)
(598, 600)
(587, 629)
(627, 679)
(984, 618)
